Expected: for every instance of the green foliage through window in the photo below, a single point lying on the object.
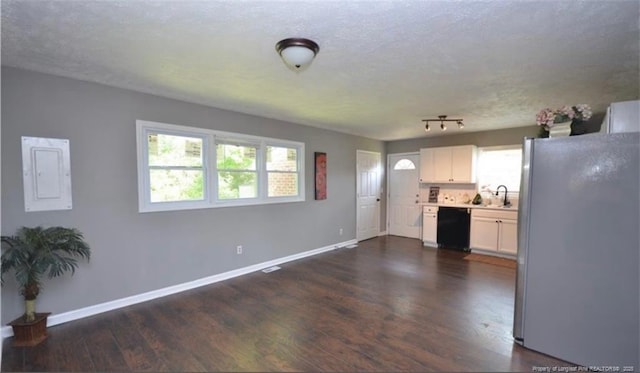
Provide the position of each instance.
(190, 168)
(237, 174)
(175, 167)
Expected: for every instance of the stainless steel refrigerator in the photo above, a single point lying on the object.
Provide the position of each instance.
(577, 290)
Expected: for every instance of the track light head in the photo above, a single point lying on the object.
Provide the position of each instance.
(443, 127)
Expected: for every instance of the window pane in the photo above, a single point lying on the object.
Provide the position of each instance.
(404, 164)
(237, 184)
(234, 157)
(500, 166)
(282, 159)
(282, 184)
(176, 185)
(170, 150)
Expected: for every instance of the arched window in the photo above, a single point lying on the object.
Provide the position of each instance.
(404, 164)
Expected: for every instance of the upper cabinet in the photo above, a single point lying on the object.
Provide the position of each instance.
(427, 172)
(452, 164)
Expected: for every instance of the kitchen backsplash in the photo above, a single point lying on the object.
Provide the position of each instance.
(461, 193)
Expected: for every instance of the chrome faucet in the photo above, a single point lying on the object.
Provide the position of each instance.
(506, 201)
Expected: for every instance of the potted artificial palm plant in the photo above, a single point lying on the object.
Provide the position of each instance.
(33, 253)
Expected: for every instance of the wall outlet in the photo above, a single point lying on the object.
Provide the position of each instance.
(239, 249)
(341, 231)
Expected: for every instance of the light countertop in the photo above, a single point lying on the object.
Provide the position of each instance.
(472, 206)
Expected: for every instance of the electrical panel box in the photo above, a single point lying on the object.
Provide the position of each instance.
(46, 173)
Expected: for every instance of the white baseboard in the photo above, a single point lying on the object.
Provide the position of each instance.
(128, 301)
(430, 244)
(493, 253)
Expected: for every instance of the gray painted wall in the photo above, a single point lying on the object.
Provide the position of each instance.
(135, 253)
(509, 136)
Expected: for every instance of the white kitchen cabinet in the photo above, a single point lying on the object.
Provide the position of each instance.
(508, 237)
(494, 231)
(426, 165)
(463, 160)
(450, 164)
(442, 158)
(430, 226)
(484, 233)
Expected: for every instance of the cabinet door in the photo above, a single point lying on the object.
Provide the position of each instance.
(484, 234)
(508, 243)
(442, 164)
(430, 227)
(426, 166)
(462, 164)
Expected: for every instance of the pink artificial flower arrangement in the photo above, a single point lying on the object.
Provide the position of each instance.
(548, 117)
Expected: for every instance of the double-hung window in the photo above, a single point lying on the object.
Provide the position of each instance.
(175, 172)
(283, 171)
(237, 170)
(188, 168)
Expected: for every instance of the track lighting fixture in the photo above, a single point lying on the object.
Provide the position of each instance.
(442, 119)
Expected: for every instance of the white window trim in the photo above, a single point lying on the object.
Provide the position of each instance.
(210, 139)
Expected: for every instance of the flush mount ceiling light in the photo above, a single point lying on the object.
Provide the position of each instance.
(442, 119)
(297, 53)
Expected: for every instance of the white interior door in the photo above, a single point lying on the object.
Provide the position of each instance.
(405, 214)
(369, 168)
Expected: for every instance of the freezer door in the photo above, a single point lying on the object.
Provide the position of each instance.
(582, 291)
(624, 116)
(523, 234)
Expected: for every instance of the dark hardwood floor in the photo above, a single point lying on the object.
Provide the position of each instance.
(387, 305)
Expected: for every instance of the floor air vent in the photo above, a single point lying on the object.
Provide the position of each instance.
(270, 269)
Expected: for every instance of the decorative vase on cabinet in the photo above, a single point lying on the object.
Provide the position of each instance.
(560, 129)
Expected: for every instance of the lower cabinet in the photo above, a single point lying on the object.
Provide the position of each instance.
(494, 231)
(430, 226)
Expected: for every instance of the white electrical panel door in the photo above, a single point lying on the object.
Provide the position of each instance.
(46, 172)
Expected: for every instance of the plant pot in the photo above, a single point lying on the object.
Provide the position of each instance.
(31, 333)
(560, 129)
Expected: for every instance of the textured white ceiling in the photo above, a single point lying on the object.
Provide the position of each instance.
(382, 66)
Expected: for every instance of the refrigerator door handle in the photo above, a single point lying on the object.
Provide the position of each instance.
(523, 239)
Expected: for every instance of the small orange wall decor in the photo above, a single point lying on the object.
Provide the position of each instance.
(321, 175)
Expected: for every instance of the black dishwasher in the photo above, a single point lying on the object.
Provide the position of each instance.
(453, 228)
